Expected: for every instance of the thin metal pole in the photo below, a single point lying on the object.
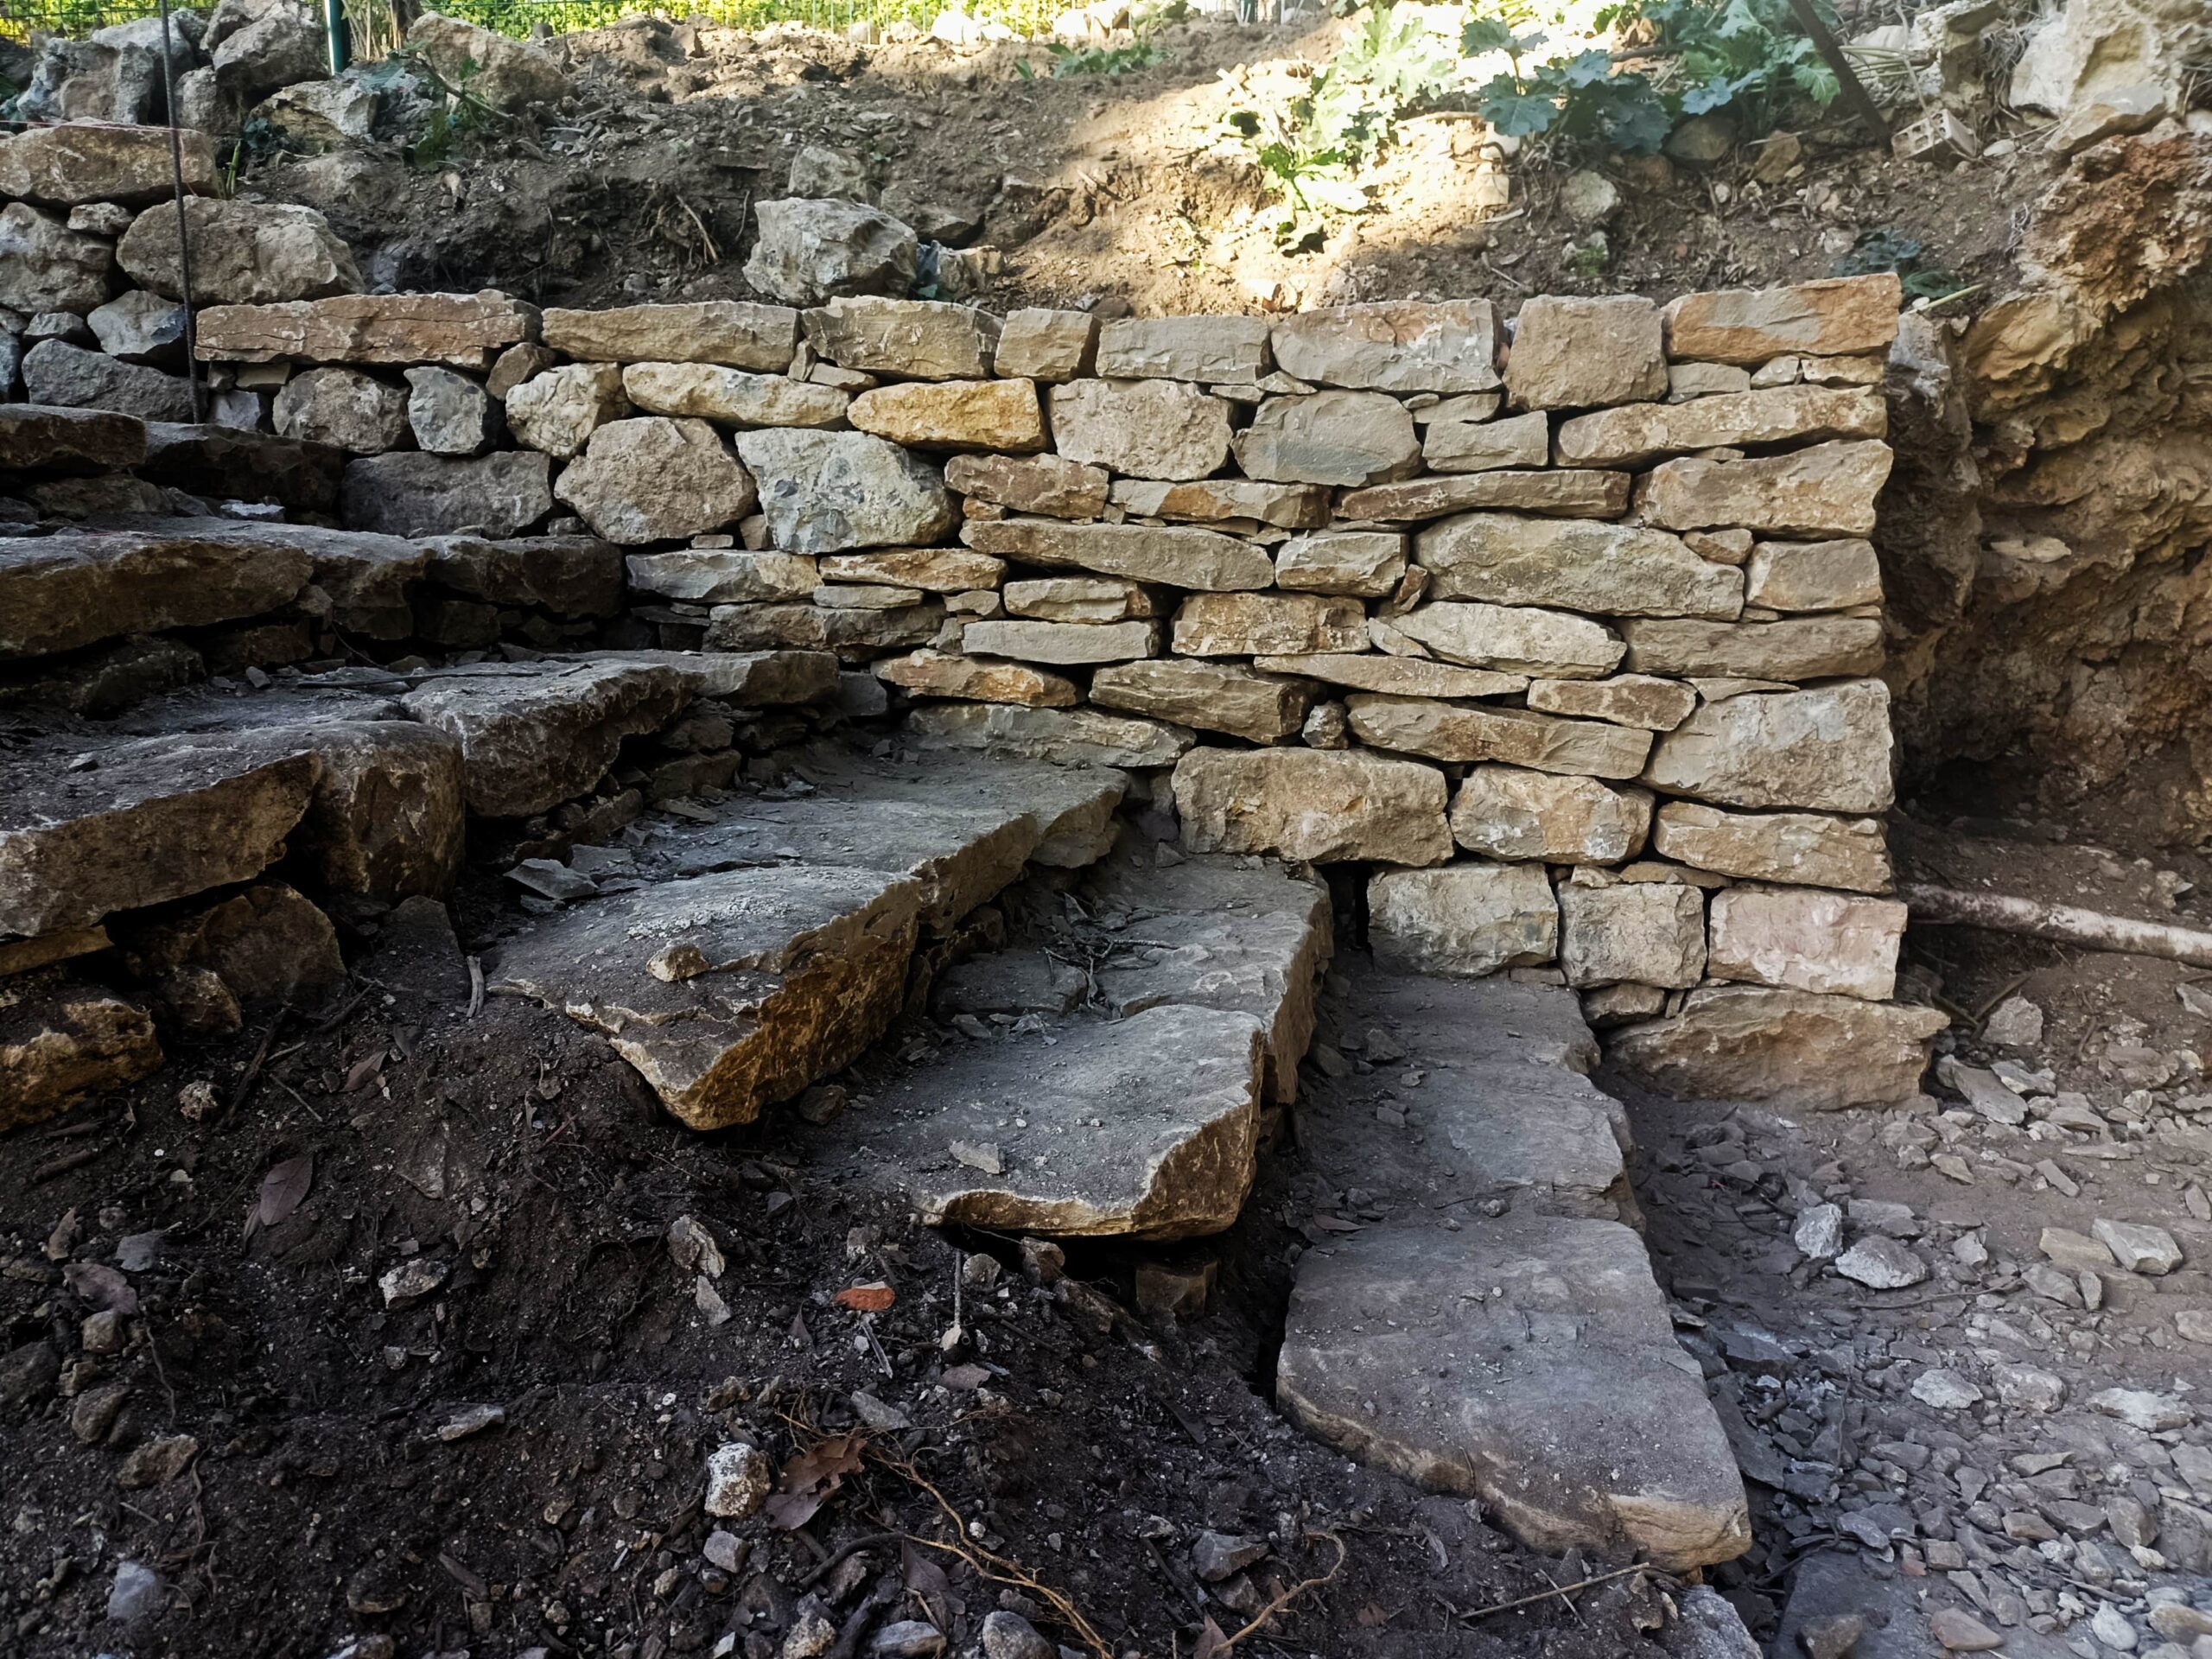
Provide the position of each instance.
(1824, 42)
(337, 35)
(183, 226)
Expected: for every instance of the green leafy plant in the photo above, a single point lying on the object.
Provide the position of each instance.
(1748, 57)
(1883, 249)
(1102, 60)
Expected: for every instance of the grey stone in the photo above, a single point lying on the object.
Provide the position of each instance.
(141, 327)
(45, 266)
(739, 333)
(1211, 696)
(1213, 350)
(507, 73)
(448, 413)
(242, 253)
(1146, 429)
(1312, 804)
(1394, 345)
(1464, 920)
(825, 491)
(1173, 556)
(655, 479)
(1071, 737)
(1826, 749)
(70, 376)
(1352, 438)
(257, 47)
(1610, 569)
(1450, 732)
(1642, 932)
(708, 391)
(1579, 353)
(917, 339)
(808, 252)
(1881, 1263)
(410, 493)
(1515, 639)
(342, 407)
(1809, 848)
(1801, 648)
(1745, 1042)
(558, 411)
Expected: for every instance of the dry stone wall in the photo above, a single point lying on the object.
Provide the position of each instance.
(1570, 628)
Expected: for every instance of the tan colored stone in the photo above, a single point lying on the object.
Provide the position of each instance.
(243, 253)
(1838, 317)
(463, 330)
(953, 414)
(1445, 731)
(1275, 625)
(1799, 939)
(1366, 563)
(1721, 546)
(1066, 737)
(1315, 805)
(864, 596)
(1811, 648)
(1631, 435)
(1353, 438)
(77, 587)
(1516, 638)
(1208, 696)
(1079, 599)
(1809, 848)
(724, 575)
(1173, 555)
(708, 391)
(1813, 576)
(1065, 643)
(1398, 345)
(854, 635)
(1402, 676)
(1509, 812)
(1480, 447)
(932, 673)
(1050, 485)
(736, 334)
(76, 162)
(1826, 749)
(61, 441)
(1574, 492)
(61, 1040)
(920, 339)
(654, 480)
(1462, 921)
(1688, 380)
(1794, 1048)
(1218, 501)
(1582, 353)
(558, 411)
(1051, 345)
(932, 569)
(1626, 700)
(1148, 428)
(1613, 569)
(1647, 933)
(1827, 490)
(1223, 351)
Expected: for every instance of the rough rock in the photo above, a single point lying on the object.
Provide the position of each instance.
(1826, 749)
(655, 479)
(1353, 438)
(558, 411)
(736, 334)
(1222, 500)
(1451, 732)
(1809, 848)
(1067, 737)
(410, 493)
(1365, 564)
(1809, 648)
(1397, 677)
(1581, 353)
(342, 407)
(56, 373)
(61, 1040)
(1808, 941)
(1317, 805)
(74, 589)
(825, 491)
(1050, 485)
(1002, 415)
(1832, 575)
(58, 442)
(1398, 345)
(931, 569)
(1251, 625)
(449, 414)
(320, 114)
(1610, 569)
(1515, 639)
(509, 74)
(1642, 932)
(385, 821)
(1481, 446)
(1597, 1434)
(1827, 490)
(568, 575)
(2138, 1247)
(1214, 350)
(1146, 428)
(708, 391)
(256, 952)
(1512, 813)
(463, 330)
(714, 576)
(1564, 492)
(1062, 644)
(242, 253)
(1841, 317)
(255, 49)
(933, 674)
(66, 165)
(1643, 432)
(1211, 696)
(1881, 1263)
(858, 633)
(1171, 555)
(140, 327)
(1462, 921)
(45, 266)
(1626, 700)
(1745, 1042)
(1050, 345)
(917, 339)
(808, 252)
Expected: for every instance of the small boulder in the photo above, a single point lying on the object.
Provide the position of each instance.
(557, 411)
(242, 253)
(654, 479)
(140, 327)
(343, 408)
(812, 250)
(507, 73)
(738, 1480)
(45, 266)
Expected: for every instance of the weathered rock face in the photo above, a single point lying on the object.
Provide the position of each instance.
(1643, 432)
(655, 479)
(342, 407)
(568, 575)
(1838, 318)
(448, 413)
(1626, 700)
(61, 592)
(935, 674)
(1446, 731)
(63, 166)
(507, 73)
(1515, 814)
(1220, 350)
(1047, 346)
(1808, 941)
(1565, 493)
(1065, 643)
(1330, 437)
(45, 266)
(60, 442)
(1642, 932)
(716, 576)
(1148, 428)
(1211, 696)
(558, 411)
(140, 327)
(1066, 737)
(931, 569)
(1807, 848)
(463, 330)
(57, 373)
(1462, 921)
(214, 964)
(708, 391)
(61, 1040)
(1813, 576)
(1225, 501)
(408, 493)
(1312, 804)
(1050, 485)
(1366, 563)
(1826, 749)
(825, 491)
(254, 50)
(1255, 625)
(736, 334)
(857, 633)
(539, 734)
(1170, 555)
(1613, 569)
(1827, 490)
(1813, 648)
(1394, 346)
(1570, 353)
(1482, 446)
(1515, 639)
(1397, 677)
(810, 252)
(921, 339)
(1002, 415)
(242, 253)
(1743, 1042)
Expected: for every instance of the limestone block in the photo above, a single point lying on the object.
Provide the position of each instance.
(1516, 638)
(1062, 644)
(1583, 353)
(407, 493)
(343, 408)
(1146, 428)
(1626, 700)
(1214, 350)
(463, 330)
(723, 576)
(827, 492)
(933, 674)
(1049, 346)
(1400, 346)
(1050, 485)
(1826, 749)
(1515, 814)
(61, 1040)
(917, 339)
(932, 569)
(1835, 576)
(1316, 806)
(242, 253)
(1079, 599)
(1399, 677)
(1796, 1048)
(856, 635)
(708, 391)
(1211, 696)
(812, 250)
(1479, 446)
(1220, 500)
(1250, 625)
(1445, 731)
(1811, 648)
(449, 414)
(76, 162)
(1171, 555)
(1643, 932)
(1827, 490)
(1808, 848)
(1002, 415)
(509, 74)
(1835, 318)
(1354, 438)
(654, 480)
(558, 411)
(736, 334)
(1799, 939)
(1574, 493)
(1365, 564)
(1464, 920)
(1638, 433)
(1610, 569)
(1066, 737)
(45, 266)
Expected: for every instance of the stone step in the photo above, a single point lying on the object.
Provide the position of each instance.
(1528, 1361)
(57, 442)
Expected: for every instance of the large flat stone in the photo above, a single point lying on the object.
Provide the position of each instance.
(67, 165)
(1365, 564)
(61, 1040)
(1625, 699)
(1827, 490)
(731, 991)
(1802, 939)
(59, 592)
(1633, 932)
(1637, 433)
(1833, 575)
(229, 463)
(1810, 849)
(411, 493)
(1351, 438)
(1513, 813)
(1001, 415)
(1464, 920)
(1843, 316)
(1146, 429)
(1613, 569)
(1807, 648)
(1171, 555)
(1826, 749)
(1512, 638)
(568, 575)
(1048, 484)
(1559, 1397)
(1396, 676)
(1445, 731)
(1400, 346)
(1314, 806)
(856, 633)
(1062, 644)
(386, 821)
(1256, 625)
(1217, 350)
(724, 575)
(919, 339)
(1800, 1049)
(1225, 500)
(708, 391)
(1068, 737)
(1142, 1127)
(57, 442)
(463, 330)
(937, 674)
(1571, 492)
(829, 491)
(737, 334)
(1212, 696)
(1571, 352)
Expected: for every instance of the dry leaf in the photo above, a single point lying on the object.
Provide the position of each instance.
(283, 1191)
(812, 1478)
(926, 1580)
(868, 1299)
(364, 1070)
(1212, 1643)
(964, 1376)
(984, 1157)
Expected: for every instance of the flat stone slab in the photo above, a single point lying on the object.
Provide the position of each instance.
(62, 592)
(1145, 1126)
(54, 442)
(731, 991)
(1528, 1361)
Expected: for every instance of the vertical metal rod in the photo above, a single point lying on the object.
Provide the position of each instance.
(1831, 50)
(337, 35)
(183, 226)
